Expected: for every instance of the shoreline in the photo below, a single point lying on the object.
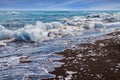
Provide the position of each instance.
(91, 61)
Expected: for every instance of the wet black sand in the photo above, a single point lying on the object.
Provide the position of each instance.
(91, 61)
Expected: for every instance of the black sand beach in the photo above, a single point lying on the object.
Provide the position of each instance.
(91, 61)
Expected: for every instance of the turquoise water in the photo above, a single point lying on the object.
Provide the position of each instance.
(17, 19)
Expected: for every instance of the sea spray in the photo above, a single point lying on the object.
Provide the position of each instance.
(69, 27)
(5, 33)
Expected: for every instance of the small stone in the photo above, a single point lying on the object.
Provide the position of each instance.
(3, 65)
(101, 45)
(24, 59)
(26, 78)
(118, 37)
(2, 44)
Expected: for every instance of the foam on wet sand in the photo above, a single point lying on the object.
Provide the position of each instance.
(91, 61)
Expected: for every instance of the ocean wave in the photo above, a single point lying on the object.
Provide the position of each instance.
(5, 33)
(13, 12)
(70, 27)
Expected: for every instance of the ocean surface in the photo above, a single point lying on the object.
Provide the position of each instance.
(37, 35)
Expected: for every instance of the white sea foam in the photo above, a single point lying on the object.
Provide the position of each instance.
(13, 12)
(5, 33)
(71, 27)
(30, 32)
(113, 25)
(43, 31)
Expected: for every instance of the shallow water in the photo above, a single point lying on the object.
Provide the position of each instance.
(41, 54)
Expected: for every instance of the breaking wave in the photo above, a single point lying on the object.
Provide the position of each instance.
(70, 27)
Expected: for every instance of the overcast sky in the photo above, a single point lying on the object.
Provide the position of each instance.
(60, 4)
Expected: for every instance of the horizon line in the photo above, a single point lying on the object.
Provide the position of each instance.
(61, 9)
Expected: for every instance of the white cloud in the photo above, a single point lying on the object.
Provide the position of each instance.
(65, 3)
(106, 6)
(39, 4)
